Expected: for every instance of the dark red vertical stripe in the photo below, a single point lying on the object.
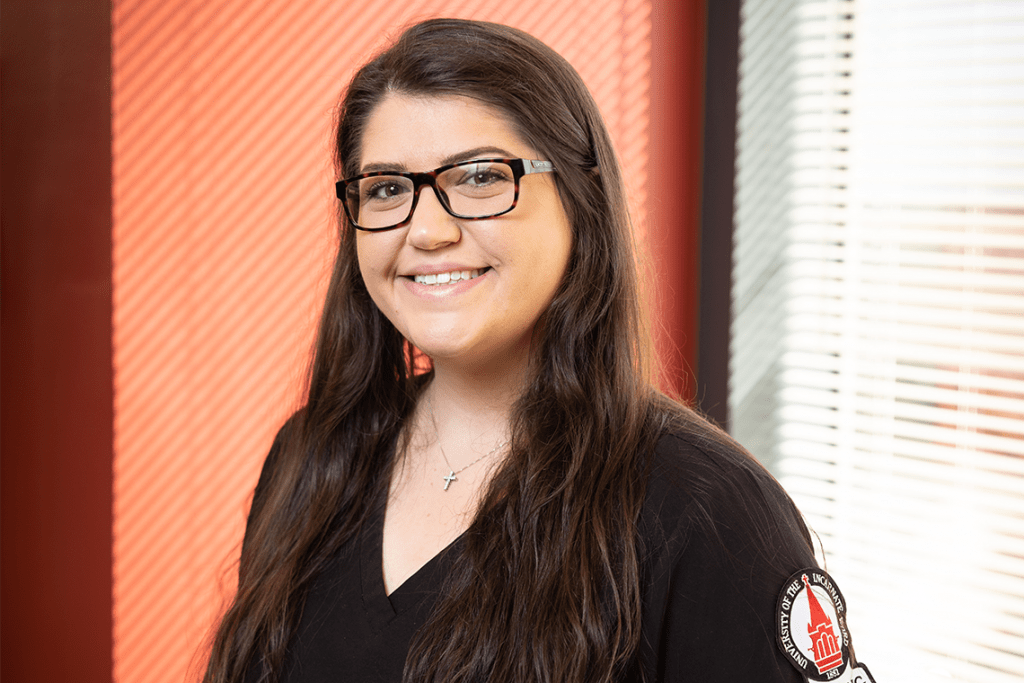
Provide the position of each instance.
(675, 184)
(57, 403)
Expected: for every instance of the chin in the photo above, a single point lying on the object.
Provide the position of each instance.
(439, 348)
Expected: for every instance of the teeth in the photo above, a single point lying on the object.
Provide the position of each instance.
(446, 278)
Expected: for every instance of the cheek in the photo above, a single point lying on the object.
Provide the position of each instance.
(559, 244)
(372, 257)
(546, 263)
(375, 254)
(362, 260)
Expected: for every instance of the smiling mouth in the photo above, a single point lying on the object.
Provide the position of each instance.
(449, 278)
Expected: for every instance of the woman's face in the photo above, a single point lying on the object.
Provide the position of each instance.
(518, 258)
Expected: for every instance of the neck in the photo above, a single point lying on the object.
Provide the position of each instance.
(471, 410)
(470, 407)
(488, 389)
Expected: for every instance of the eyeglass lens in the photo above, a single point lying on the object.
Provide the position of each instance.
(471, 190)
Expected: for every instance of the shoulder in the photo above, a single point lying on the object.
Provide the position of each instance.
(272, 472)
(713, 510)
(273, 463)
(702, 483)
(719, 537)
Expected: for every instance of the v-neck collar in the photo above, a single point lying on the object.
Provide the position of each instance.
(425, 583)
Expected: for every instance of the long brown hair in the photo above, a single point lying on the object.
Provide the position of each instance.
(548, 583)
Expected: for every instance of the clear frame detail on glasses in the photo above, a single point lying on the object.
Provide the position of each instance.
(472, 190)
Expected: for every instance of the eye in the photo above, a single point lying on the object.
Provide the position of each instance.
(485, 176)
(482, 179)
(383, 189)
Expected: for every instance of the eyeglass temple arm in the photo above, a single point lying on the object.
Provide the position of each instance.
(530, 166)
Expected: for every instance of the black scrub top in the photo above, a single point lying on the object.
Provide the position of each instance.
(719, 538)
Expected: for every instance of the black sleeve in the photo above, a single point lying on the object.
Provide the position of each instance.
(717, 574)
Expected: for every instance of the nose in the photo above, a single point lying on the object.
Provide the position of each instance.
(431, 227)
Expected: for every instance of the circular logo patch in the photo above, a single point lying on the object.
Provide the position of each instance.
(811, 620)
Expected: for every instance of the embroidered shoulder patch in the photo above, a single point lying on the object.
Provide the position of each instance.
(811, 621)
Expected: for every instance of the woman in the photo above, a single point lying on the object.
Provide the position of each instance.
(520, 504)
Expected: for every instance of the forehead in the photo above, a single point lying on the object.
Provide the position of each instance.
(410, 132)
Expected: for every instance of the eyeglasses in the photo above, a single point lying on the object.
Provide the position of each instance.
(472, 190)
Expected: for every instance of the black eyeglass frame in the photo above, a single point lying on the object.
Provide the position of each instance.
(520, 167)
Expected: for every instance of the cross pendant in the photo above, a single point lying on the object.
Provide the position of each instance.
(449, 478)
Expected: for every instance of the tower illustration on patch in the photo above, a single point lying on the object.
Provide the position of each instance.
(811, 620)
(827, 651)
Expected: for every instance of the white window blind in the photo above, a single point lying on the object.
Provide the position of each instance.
(877, 352)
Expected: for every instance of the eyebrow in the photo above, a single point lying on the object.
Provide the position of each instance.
(465, 155)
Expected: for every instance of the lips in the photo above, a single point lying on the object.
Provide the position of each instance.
(448, 277)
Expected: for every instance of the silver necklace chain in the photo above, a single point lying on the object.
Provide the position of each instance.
(452, 472)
